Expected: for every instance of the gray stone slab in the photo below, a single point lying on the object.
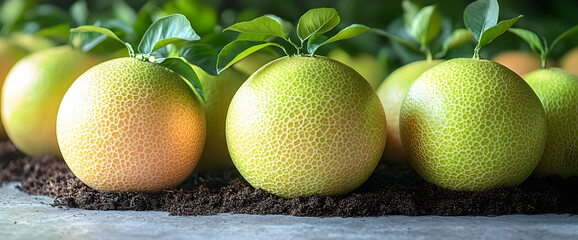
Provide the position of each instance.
(23, 216)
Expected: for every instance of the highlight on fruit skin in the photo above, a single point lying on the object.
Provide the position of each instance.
(558, 91)
(391, 93)
(306, 125)
(131, 125)
(32, 93)
(470, 124)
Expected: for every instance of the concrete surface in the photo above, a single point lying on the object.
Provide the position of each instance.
(31, 217)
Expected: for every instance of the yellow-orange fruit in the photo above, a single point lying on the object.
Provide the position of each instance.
(569, 61)
(10, 54)
(306, 125)
(32, 93)
(131, 125)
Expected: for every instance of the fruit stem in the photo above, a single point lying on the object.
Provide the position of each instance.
(477, 52)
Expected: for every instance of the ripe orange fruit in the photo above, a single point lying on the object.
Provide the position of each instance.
(131, 125)
(32, 93)
(569, 61)
(219, 91)
(470, 124)
(391, 93)
(558, 91)
(305, 125)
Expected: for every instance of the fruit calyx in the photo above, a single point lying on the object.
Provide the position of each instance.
(161, 33)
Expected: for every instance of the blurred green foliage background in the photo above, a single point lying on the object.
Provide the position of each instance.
(546, 18)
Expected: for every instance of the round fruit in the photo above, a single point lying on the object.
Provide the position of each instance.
(32, 93)
(131, 125)
(569, 61)
(520, 62)
(10, 55)
(219, 91)
(558, 91)
(306, 125)
(391, 93)
(470, 124)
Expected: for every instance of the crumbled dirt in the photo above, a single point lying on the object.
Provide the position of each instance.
(391, 190)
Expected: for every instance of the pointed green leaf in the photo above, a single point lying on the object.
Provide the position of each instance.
(237, 50)
(426, 25)
(104, 31)
(400, 40)
(264, 25)
(480, 16)
(349, 32)
(458, 37)
(182, 68)
(165, 31)
(568, 32)
(492, 33)
(316, 21)
(531, 38)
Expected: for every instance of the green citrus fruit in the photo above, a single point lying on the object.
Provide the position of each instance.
(131, 125)
(470, 124)
(10, 55)
(32, 92)
(558, 91)
(219, 91)
(391, 93)
(306, 125)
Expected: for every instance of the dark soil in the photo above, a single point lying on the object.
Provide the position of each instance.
(391, 190)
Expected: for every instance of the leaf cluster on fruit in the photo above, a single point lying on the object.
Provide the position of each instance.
(263, 31)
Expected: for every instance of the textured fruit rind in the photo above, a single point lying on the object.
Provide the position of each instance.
(130, 125)
(306, 125)
(391, 93)
(558, 91)
(470, 124)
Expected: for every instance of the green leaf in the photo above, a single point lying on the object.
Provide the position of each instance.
(105, 31)
(202, 55)
(458, 37)
(400, 40)
(316, 21)
(426, 25)
(531, 38)
(349, 32)
(123, 12)
(167, 30)
(264, 25)
(480, 16)
(571, 31)
(237, 50)
(182, 68)
(492, 33)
